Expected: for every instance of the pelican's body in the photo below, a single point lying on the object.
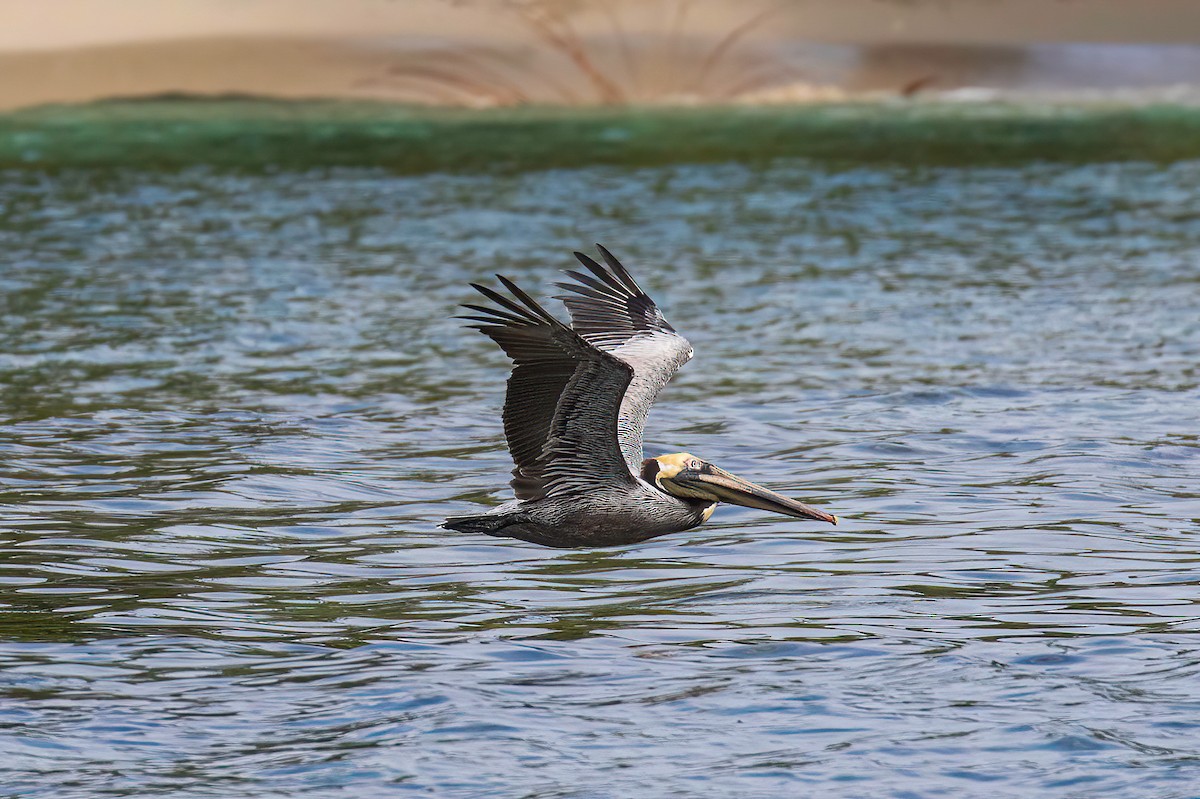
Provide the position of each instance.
(574, 415)
(602, 519)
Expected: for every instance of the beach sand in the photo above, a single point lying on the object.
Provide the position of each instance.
(475, 54)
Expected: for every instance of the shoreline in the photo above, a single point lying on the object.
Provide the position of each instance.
(470, 74)
(256, 135)
(474, 55)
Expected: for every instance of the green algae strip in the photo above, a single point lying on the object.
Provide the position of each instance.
(250, 134)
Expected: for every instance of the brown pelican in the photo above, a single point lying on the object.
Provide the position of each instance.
(574, 413)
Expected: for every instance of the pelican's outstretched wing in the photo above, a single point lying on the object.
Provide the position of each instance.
(563, 400)
(610, 310)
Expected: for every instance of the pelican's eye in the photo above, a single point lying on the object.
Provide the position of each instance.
(694, 464)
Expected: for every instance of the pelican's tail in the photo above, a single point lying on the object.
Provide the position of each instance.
(488, 523)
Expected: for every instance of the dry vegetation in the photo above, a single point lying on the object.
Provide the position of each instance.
(665, 62)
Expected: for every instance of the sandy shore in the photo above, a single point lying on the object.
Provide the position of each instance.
(473, 54)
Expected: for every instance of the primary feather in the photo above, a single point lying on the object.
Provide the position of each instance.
(563, 398)
(610, 310)
(574, 391)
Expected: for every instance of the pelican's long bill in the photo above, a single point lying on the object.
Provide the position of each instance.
(712, 483)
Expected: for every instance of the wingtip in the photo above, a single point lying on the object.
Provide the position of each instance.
(588, 262)
(479, 321)
(619, 270)
(533, 305)
(608, 277)
(509, 284)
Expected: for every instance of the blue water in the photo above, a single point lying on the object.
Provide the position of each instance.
(233, 410)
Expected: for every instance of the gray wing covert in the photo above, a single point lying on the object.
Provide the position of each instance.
(609, 309)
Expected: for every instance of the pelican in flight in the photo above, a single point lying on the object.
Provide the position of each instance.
(575, 411)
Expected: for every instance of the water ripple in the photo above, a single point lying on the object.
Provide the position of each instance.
(233, 410)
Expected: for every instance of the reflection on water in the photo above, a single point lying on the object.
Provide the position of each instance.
(233, 409)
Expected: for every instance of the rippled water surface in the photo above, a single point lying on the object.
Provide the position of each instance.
(233, 410)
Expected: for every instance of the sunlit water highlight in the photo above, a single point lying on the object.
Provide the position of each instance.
(233, 410)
